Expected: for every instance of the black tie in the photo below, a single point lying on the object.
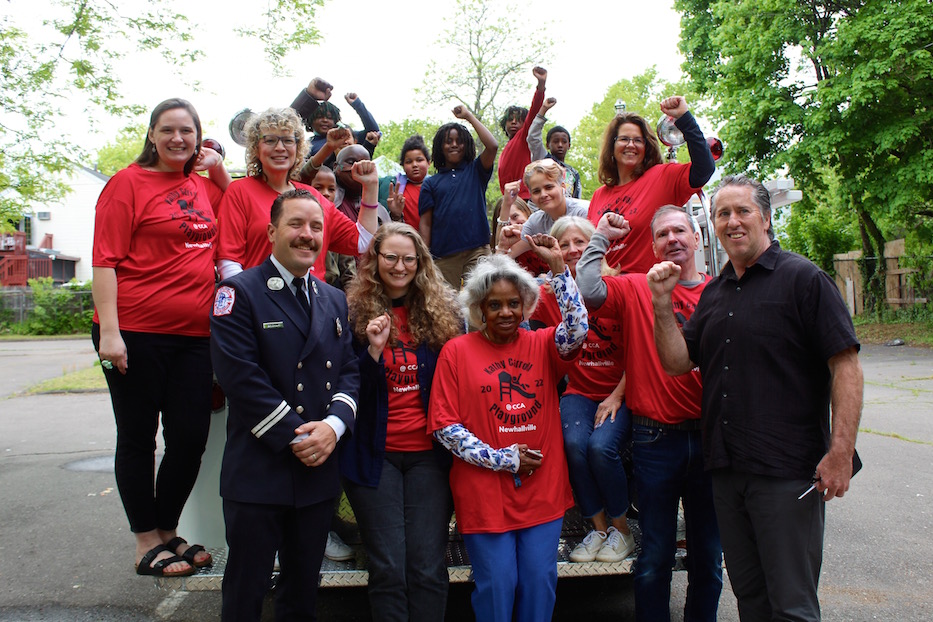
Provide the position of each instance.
(299, 284)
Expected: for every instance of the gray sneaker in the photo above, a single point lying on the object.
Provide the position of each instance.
(336, 549)
(617, 547)
(586, 550)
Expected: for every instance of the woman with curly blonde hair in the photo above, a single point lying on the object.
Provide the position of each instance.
(402, 312)
(275, 150)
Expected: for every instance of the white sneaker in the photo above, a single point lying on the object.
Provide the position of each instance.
(617, 547)
(586, 550)
(336, 549)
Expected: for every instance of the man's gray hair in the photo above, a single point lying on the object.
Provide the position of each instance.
(672, 209)
(760, 196)
(482, 277)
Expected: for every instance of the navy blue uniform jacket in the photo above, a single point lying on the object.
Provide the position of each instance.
(279, 369)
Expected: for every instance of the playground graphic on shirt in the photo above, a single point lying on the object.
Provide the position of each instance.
(516, 383)
(198, 227)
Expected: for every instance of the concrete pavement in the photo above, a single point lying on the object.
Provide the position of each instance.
(66, 551)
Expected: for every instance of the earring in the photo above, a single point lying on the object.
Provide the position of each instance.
(484, 318)
(154, 150)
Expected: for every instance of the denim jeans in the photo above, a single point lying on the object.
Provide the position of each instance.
(594, 456)
(515, 573)
(404, 527)
(668, 466)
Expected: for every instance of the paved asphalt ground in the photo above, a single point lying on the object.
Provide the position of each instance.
(66, 551)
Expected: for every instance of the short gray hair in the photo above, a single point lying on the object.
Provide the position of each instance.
(485, 274)
(672, 209)
(565, 223)
(760, 196)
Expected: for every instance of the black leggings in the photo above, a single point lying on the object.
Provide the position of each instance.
(171, 375)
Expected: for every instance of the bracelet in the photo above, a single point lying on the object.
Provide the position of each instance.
(369, 206)
(503, 222)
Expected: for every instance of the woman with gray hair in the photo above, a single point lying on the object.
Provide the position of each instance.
(494, 405)
(275, 150)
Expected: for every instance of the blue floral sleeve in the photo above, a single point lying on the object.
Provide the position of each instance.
(571, 332)
(466, 446)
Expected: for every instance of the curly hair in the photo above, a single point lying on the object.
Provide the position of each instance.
(434, 314)
(274, 120)
(485, 274)
(608, 170)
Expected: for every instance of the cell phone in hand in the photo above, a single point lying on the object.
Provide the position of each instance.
(535, 453)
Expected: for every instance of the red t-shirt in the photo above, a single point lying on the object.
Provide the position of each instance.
(515, 155)
(662, 184)
(600, 365)
(410, 214)
(157, 231)
(649, 391)
(407, 426)
(504, 395)
(243, 226)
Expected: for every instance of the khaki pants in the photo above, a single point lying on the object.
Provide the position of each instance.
(455, 267)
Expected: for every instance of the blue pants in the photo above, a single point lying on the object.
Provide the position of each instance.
(515, 570)
(594, 456)
(773, 544)
(404, 527)
(668, 466)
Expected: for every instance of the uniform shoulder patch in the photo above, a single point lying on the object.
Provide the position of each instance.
(223, 300)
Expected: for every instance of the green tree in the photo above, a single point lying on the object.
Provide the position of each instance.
(395, 133)
(825, 90)
(122, 150)
(494, 56)
(71, 57)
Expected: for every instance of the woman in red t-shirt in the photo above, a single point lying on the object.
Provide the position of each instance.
(636, 183)
(153, 258)
(494, 405)
(275, 150)
(597, 424)
(402, 312)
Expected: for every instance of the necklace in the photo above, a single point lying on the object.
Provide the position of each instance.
(498, 343)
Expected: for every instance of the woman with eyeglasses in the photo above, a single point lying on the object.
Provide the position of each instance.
(402, 312)
(275, 151)
(636, 183)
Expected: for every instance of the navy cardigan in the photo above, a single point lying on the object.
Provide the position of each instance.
(362, 453)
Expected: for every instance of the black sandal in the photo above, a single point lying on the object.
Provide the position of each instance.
(146, 567)
(190, 552)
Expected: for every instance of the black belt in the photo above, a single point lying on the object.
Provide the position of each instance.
(688, 425)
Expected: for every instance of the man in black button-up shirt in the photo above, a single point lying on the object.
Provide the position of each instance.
(775, 346)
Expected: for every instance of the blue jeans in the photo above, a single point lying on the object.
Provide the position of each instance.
(404, 527)
(594, 456)
(668, 466)
(515, 570)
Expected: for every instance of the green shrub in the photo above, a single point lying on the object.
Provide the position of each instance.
(57, 310)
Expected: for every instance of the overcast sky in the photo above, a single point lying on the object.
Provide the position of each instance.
(381, 49)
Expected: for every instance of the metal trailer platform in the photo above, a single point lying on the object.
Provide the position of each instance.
(353, 573)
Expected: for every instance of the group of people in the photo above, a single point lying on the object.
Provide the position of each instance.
(430, 384)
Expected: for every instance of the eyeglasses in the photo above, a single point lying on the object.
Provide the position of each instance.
(392, 259)
(626, 140)
(271, 140)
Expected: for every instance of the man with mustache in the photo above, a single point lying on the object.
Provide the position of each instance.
(282, 351)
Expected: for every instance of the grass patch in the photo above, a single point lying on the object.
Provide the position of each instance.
(86, 380)
(893, 435)
(918, 334)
